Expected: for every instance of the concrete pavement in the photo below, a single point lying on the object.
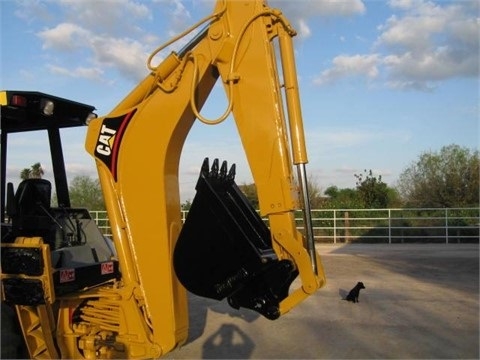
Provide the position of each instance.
(420, 301)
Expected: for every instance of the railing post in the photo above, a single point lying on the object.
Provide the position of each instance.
(446, 225)
(389, 226)
(334, 226)
(346, 226)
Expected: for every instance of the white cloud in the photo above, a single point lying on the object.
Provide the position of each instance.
(356, 65)
(430, 43)
(64, 37)
(126, 55)
(91, 73)
(30, 10)
(303, 29)
(108, 37)
(298, 12)
(111, 37)
(465, 31)
(402, 4)
(441, 63)
(179, 16)
(419, 46)
(107, 16)
(410, 32)
(305, 9)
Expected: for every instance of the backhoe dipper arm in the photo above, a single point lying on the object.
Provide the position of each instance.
(137, 150)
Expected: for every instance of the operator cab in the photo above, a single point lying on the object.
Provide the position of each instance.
(80, 256)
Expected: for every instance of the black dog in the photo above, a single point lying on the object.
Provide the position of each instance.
(355, 292)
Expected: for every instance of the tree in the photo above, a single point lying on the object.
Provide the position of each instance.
(447, 178)
(34, 172)
(314, 193)
(186, 205)
(342, 198)
(250, 191)
(372, 190)
(86, 192)
(370, 193)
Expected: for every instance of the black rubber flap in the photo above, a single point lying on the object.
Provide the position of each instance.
(224, 248)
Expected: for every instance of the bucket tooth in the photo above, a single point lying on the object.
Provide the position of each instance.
(231, 173)
(205, 167)
(223, 171)
(224, 249)
(214, 170)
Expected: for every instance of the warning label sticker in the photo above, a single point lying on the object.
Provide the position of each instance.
(67, 275)
(107, 268)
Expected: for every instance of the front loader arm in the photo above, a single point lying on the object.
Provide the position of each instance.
(137, 150)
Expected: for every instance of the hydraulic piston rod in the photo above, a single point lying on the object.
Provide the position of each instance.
(296, 132)
(307, 218)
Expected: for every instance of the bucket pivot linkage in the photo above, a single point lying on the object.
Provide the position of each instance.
(225, 249)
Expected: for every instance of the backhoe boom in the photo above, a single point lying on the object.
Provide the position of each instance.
(153, 122)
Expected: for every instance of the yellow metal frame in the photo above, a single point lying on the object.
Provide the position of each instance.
(37, 322)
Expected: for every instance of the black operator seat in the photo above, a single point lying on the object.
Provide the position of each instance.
(31, 213)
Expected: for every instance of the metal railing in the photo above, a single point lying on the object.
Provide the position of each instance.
(102, 221)
(378, 225)
(396, 225)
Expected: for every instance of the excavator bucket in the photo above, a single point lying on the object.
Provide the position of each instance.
(225, 249)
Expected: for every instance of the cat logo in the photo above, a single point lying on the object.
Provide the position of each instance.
(110, 139)
(106, 140)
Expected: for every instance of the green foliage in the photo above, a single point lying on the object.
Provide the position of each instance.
(342, 198)
(448, 178)
(86, 192)
(186, 205)
(34, 172)
(250, 191)
(394, 199)
(373, 191)
(314, 193)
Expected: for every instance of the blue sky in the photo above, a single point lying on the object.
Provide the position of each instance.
(380, 81)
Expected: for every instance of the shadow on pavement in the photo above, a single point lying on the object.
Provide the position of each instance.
(228, 342)
(199, 308)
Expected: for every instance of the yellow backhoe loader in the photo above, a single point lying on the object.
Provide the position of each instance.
(76, 295)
